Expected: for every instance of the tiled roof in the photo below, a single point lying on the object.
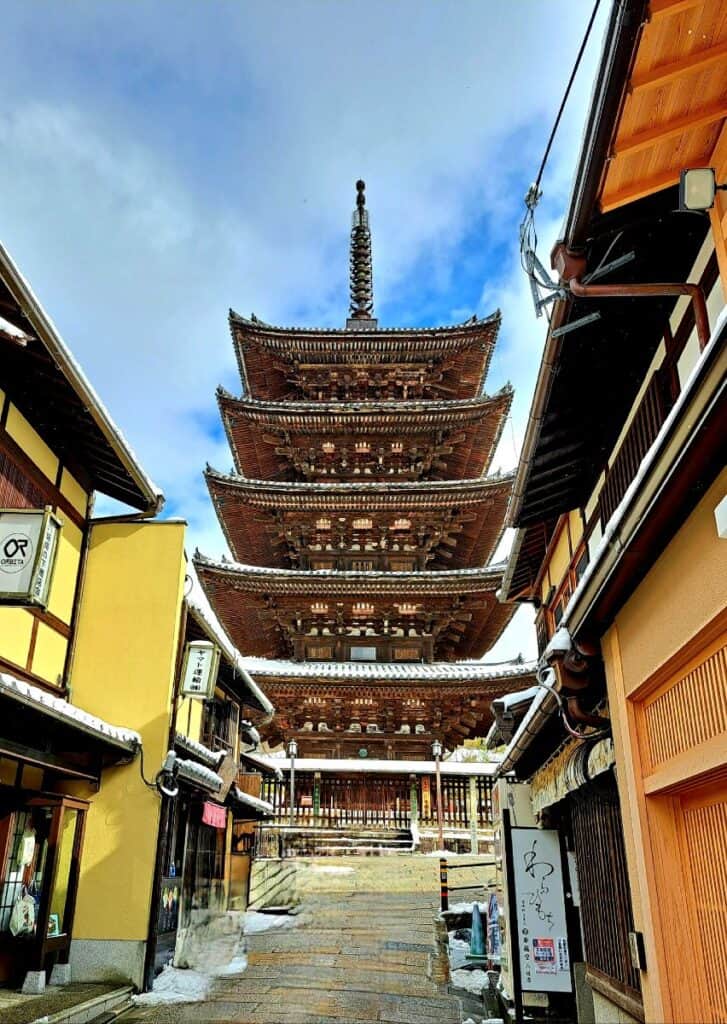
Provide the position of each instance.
(256, 326)
(455, 670)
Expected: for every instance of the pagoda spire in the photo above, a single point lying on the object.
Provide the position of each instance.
(362, 291)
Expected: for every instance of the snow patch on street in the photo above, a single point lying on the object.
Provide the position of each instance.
(256, 922)
(236, 966)
(472, 981)
(332, 869)
(176, 986)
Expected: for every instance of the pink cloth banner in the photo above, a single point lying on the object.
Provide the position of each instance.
(214, 815)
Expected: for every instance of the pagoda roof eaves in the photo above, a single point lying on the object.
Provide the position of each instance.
(397, 490)
(261, 407)
(480, 577)
(253, 325)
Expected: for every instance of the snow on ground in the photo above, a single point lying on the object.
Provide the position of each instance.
(236, 966)
(464, 908)
(332, 869)
(177, 985)
(459, 950)
(256, 922)
(473, 981)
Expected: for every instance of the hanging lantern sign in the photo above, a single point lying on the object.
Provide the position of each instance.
(199, 670)
(28, 546)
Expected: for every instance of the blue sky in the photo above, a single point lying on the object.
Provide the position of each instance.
(163, 161)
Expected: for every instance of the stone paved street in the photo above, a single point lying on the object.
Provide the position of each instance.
(352, 957)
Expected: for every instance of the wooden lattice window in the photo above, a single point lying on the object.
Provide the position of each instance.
(601, 860)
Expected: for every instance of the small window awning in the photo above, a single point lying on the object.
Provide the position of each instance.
(260, 764)
(253, 807)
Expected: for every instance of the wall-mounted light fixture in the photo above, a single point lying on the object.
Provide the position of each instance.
(698, 189)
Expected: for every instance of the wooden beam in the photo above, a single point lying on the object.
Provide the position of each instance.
(661, 132)
(639, 188)
(691, 62)
(658, 8)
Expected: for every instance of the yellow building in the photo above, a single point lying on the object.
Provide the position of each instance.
(619, 508)
(95, 616)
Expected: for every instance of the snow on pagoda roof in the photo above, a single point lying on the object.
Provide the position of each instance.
(388, 579)
(473, 326)
(356, 670)
(351, 489)
(400, 410)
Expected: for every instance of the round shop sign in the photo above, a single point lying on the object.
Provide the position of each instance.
(16, 552)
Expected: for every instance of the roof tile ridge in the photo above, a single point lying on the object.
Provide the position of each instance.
(360, 486)
(230, 565)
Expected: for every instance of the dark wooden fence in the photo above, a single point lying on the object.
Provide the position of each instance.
(377, 801)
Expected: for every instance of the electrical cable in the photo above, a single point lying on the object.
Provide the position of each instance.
(150, 785)
(566, 94)
(528, 235)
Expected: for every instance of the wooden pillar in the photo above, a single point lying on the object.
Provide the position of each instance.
(413, 803)
(317, 798)
(474, 842)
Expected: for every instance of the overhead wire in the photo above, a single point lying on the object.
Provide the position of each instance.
(528, 234)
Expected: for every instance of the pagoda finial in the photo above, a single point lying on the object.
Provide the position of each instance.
(362, 292)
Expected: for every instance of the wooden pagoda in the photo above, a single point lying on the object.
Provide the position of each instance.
(362, 522)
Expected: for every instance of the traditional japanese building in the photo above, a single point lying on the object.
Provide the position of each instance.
(363, 523)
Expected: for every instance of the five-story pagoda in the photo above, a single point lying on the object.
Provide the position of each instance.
(363, 522)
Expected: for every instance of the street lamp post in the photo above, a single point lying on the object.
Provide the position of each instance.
(437, 751)
(292, 751)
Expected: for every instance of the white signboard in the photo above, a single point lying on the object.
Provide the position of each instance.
(542, 933)
(28, 545)
(199, 671)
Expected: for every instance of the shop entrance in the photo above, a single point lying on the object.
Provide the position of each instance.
(41, 842)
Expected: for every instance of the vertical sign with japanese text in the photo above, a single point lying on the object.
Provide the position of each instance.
(542, 937)
(199, 671)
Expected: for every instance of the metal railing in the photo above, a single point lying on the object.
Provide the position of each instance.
(445, 888)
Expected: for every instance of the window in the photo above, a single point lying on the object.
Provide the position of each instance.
(324, 523)
(407, 654)
(319, 652)
(319, 608)
(328, 447)
(363, 524)
(362, 565)
(363, 609)
(401, 564)
(401, 524)
(362, 654)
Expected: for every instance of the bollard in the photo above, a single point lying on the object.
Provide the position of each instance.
(477, 940)
(444, 888)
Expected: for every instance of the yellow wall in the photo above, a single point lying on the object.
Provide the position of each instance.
(16, 624)
(681, 594)
(683, 591)
(49, 655)
(123, 671)
(32, 443)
